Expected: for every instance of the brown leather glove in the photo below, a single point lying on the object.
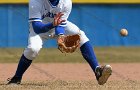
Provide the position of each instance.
(69, 43)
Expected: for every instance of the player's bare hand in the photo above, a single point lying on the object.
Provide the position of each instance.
(57, 19)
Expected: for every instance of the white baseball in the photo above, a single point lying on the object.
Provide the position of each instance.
(123, 32)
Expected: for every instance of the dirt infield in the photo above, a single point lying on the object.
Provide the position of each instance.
(69, 76)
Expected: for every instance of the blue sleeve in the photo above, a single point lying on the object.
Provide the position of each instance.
(39, 27)
(59, 30)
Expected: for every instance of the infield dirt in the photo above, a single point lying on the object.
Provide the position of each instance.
(70, 76)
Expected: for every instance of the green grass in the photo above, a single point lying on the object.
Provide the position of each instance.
(51, 55)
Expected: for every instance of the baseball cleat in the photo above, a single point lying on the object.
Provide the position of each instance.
(103, 73)
(14, 80)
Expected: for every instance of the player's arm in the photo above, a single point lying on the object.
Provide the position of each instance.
(39, 27)
(36, 21)
(59, 30)
(35, 17)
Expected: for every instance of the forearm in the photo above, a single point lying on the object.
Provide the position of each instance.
(39, 27)
(59, 30)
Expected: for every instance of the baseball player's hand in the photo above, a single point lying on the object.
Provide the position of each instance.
(57, 19)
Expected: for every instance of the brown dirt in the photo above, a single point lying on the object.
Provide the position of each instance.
(126, 75)
(69, 71)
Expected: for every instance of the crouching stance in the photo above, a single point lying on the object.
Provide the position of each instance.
(48, 20)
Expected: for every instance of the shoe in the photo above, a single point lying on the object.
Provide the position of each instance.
(103, 73)
(14, 80)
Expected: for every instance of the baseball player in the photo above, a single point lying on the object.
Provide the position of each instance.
(48, 20)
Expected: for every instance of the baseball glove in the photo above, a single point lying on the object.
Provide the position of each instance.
(69, 43)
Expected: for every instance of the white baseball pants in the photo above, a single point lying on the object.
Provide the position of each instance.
(35, 41)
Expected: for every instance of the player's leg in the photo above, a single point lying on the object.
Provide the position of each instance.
(23, 64)
(86, 48)
(102, 73)
(34, 46)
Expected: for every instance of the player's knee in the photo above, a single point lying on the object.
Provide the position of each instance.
(83, 38)
(35, 49)
(31, 52)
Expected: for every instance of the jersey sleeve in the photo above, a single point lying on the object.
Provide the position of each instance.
(35, 10)
(66, 12)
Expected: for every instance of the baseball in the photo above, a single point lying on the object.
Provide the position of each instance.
(123, 32)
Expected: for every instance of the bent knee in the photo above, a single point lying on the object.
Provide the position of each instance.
(31, 52)
(83, 38)
(35, 49)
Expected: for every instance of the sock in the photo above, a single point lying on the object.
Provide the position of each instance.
(23, 65)
(89, 56)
